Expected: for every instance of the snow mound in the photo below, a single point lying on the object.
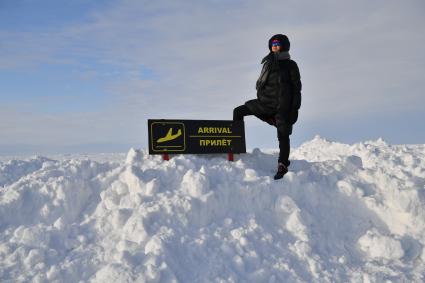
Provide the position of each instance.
(344, 213)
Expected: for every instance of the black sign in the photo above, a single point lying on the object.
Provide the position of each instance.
(196, 136)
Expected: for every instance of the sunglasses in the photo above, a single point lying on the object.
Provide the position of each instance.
(276, 43)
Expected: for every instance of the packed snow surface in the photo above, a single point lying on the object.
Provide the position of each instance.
(344, 213)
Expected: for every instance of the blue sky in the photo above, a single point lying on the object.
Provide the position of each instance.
(80, 75)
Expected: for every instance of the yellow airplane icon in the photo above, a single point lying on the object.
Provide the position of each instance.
(170, 136)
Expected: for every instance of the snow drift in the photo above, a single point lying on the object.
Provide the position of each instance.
(344, 213)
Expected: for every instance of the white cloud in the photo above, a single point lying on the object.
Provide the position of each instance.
(357, 57)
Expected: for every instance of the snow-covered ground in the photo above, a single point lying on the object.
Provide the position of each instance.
(344, 213)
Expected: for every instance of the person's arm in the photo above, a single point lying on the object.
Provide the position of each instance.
(295, 78)
(289, 100)
(284, 99)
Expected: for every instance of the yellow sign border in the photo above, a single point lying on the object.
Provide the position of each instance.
(165, 150)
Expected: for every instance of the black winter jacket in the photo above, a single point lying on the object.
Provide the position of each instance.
(278, 92)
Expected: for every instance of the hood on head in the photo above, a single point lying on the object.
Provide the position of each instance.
(283, 39)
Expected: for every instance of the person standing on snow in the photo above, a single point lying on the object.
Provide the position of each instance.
(278, 97)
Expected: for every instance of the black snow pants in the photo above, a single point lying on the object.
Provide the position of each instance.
(284, 143)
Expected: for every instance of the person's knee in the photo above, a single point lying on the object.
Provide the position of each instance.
(283, 137)
(237, 115)
(284, 130)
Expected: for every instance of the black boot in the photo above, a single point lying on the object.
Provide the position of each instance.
(281, 171)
